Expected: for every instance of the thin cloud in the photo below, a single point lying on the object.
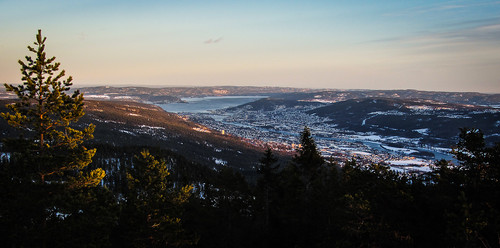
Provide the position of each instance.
(212, 41)
(492, 28)
(482, 35)
(439, 7)
(476, 22)
(446, 7)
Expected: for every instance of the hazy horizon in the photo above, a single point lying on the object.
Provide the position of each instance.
(381, 45)
(83, 85)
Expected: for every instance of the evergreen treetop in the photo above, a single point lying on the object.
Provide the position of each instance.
(154, 206)
(267, 167)
(308, 157)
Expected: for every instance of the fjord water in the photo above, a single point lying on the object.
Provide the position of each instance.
(207, 104)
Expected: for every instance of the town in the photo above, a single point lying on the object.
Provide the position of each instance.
(279, 129)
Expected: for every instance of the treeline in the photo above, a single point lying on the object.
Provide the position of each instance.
(315, 203)
(309, 202)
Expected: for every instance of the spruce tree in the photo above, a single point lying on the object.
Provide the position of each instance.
(267, 166)
(308, 158)
(153, 208)
(268, 169)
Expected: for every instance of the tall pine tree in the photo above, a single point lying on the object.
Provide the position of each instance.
(50, 148)
(45, 184)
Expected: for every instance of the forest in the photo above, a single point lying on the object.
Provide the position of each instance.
(58, 189)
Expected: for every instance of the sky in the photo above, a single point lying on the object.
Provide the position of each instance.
(384, 44)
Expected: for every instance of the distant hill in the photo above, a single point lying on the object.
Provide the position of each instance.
(471, 98)
(435, 122)
(174, 94)
(270, 104)
(137, 124)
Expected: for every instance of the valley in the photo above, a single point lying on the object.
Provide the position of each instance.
(405, 129)
(225, 126)
(278, 126)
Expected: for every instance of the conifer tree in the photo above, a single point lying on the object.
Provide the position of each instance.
(268, 170)
(152, 214)
(47, 193)
(267, 165)
(308, 157)
(475, 184)
(50, 148)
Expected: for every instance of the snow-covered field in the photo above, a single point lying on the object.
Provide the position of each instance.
(408, 162)
(399, 150)
(410, 165)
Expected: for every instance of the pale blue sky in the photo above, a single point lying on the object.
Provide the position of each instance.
(425, 45)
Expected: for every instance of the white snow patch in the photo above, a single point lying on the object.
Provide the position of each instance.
(420, 107)
(452, 116)
(442, 149)
(125, 97)
(202, 130)
(364, 121)
(423, 131)
(319, 100)
(219, 161)
(492, 135)
(127, 132)
(397, 149)
(369, 137)
(407, 162)
(361, 153)
(410, 165)
(98, 96)
(390, 112)
(407, 169)
(150, 127)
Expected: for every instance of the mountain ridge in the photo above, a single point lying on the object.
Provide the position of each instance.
(433, 121)
(120, 123)
(173, 94)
